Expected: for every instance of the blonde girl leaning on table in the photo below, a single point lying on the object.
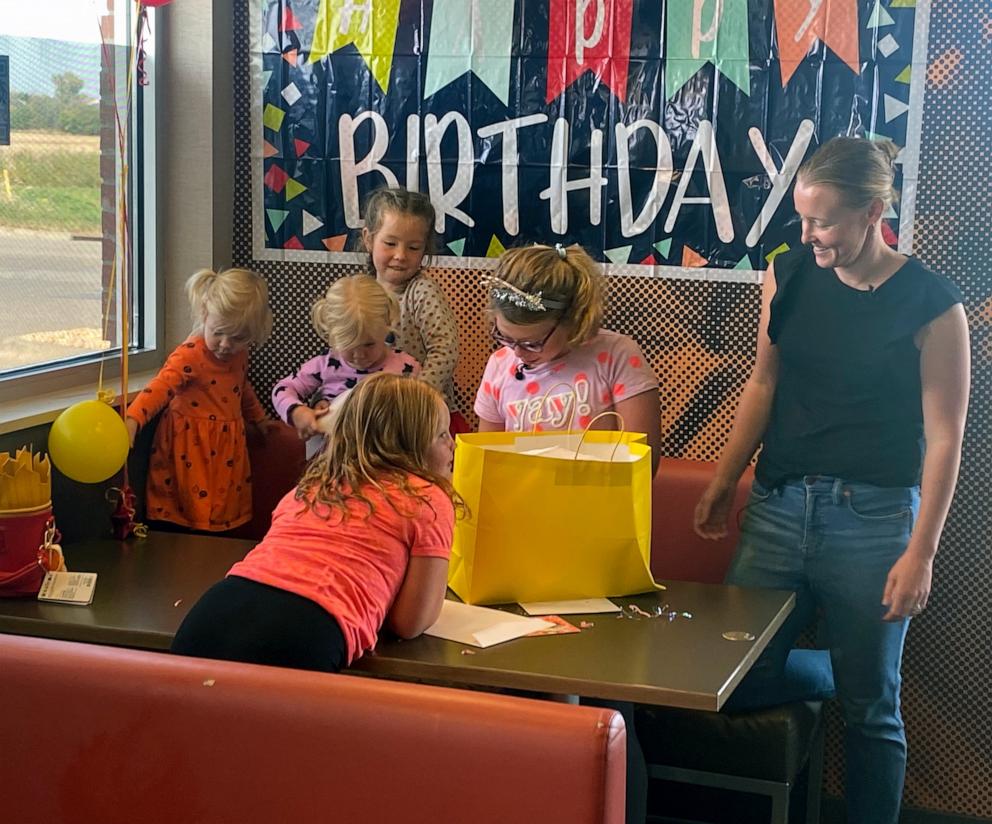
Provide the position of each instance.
(861, 382)
(547, 305)
(398, 237)
(198, 474)
(362, 541)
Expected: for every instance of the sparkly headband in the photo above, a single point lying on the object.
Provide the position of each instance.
(504, 292)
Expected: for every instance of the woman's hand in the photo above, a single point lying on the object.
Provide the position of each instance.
(713, 510)
(907, 589)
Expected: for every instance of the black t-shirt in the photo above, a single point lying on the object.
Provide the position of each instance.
(848, 400)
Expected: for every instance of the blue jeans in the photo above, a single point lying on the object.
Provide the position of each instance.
(833, 543)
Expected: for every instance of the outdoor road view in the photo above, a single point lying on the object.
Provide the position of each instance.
(50, 288)
(50, 254)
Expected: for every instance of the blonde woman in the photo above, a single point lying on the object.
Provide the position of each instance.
(363, 540)
(355, 317)
(858, 398)
(198, 475)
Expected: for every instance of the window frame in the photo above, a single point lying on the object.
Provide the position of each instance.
(71, 376)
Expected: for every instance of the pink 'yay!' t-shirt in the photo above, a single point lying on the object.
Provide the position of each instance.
(588, 379)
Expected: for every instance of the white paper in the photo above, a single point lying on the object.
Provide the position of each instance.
(563, 447)
(481, 627)
(574, 607)
(68, 587)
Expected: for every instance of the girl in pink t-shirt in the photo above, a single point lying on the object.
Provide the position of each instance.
(363, 540)
(547, 306)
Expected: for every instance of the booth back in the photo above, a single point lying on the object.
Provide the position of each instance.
(677, 552)
(103, 734)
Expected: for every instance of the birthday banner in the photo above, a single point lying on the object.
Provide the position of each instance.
(662, 135)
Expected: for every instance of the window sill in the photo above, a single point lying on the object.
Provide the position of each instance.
(44, 408)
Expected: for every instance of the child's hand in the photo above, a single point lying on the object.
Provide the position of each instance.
(265, 426)
(305, 421)
(132, 430)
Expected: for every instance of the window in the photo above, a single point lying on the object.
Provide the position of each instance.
(60, 207)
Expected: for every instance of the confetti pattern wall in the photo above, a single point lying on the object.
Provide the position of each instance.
(699, 337)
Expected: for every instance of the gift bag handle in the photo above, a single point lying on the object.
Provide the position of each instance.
(620, 434)
(575, 400)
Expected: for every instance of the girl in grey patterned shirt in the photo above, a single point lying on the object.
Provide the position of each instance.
(398, 235)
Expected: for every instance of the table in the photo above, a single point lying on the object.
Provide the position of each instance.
(144, 589)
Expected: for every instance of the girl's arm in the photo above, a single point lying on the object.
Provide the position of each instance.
(434, 319)
(753, 411)
(945, 371)
(642, 413)
(291, 390)
(491, 426)
(418, 602)
(151, 400)
(251, 407)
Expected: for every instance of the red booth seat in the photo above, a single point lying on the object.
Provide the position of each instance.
(277, 461)
(103, 734)
(677, 552)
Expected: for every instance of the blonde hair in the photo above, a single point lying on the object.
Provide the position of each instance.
(354, 309)
(566, 276)
(381, 434)
(238, 297)
(384, 200)
(860, 170)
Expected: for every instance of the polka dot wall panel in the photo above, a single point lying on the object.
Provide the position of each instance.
(699, 337)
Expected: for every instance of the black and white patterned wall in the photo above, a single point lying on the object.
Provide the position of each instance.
(699, 336)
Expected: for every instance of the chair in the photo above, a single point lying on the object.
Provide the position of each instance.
(277, 462)
(758, 751)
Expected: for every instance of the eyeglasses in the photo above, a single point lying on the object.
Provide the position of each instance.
(534, 346)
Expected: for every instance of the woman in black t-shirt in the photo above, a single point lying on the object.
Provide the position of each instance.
(858, 399)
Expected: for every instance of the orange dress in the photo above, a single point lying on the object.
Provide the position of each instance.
(199, 475)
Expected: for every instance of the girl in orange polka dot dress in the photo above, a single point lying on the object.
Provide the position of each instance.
(199, 475)
(547, 306)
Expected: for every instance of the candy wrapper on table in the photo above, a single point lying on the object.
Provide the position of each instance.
(28, 537)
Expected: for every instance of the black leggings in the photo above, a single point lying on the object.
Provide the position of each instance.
(242, 620)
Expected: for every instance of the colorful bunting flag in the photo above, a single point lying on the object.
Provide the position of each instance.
(369, 24)
(496, 248)
(619, 255)
(589, 36)
(800, 24)
(310, 223)
(272, 117)
(466, 39)
(774, 253)
(664, 246)
(335, 244)
(698, 33)
(692, 258)
(289, 21)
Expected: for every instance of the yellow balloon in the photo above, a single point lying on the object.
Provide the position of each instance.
(88, 442)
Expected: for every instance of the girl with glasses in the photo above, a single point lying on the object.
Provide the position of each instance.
(547, 305)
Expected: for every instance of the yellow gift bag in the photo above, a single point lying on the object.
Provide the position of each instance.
(553, 517)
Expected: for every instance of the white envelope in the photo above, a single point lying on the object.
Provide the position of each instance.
(575, 607)
(481, 627)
